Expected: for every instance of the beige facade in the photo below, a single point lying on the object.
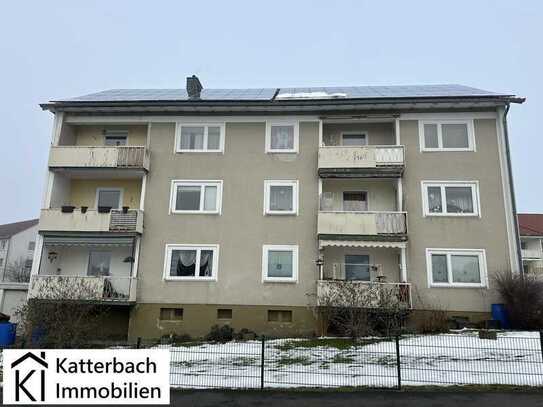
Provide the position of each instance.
(363, 203)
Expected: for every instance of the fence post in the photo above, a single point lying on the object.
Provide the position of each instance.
(541, 343)
(138, 343)
(263, 342)
(398, 367)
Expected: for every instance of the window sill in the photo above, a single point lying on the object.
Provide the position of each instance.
(201, 279)
(277, 213)
(447, 150)
(280, 280)
(457, 286)
(281, 152)
(199, 151)
(452, 215)
(194, 213)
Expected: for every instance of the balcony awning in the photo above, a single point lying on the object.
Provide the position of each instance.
(87, 241)
(362, 243)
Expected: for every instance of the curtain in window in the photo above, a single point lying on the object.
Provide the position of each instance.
(192, 138)
(188, 198)
(213, 138)
(455, 135)
(434, 199)
(355, 201)
(210, 198)
(430, 136)
(282, 137)
(465, 269)
(279, 263)
(459, 199)
(206, 263)
(439, 268)
(281, 198)
(183, 263)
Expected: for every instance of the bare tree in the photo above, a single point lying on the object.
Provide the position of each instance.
(18, 271)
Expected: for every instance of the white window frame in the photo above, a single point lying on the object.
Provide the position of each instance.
(475, 196)
(202, 183)
(198, 247)
(267, 186)
(205, 125)
(481, 253)
(121, 195)
(439, 124)
(296, 135)
(355, 133)
(287, 248)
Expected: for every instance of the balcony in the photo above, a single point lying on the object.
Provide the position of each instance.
(382, 225)
(106, 289)
(533, 254)
(55, 220)
(363, 294)
(359, 162)
(127, 157)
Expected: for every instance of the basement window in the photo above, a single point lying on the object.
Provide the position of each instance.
(224, 313)
(171, 314)
(279, 316)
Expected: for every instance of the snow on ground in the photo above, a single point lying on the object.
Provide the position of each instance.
(515, 358)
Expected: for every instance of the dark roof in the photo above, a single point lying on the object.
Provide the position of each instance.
(11, 229)
(276, 94)
(530, 224)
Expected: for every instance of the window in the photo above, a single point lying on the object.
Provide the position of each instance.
(109, 197)
(280, 263)
(354, 139)
(31, 245)
(196, 197)
(224, 313)
(171, 314)
(453, 135)
(200, 137)
(523, 245)
(3, 244)
(450, 198)
(282, 137)
(456, 267)
(281, 197)
(99, 263)
(357, 267)
(191, 262)
(354, 201)
(28, 264)
(1, 262)
(116, 137)
(279, 316)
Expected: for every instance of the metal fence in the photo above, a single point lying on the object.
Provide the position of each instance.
(442, 360)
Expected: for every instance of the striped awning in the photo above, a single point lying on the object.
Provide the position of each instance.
(87, 241)
(362, 243)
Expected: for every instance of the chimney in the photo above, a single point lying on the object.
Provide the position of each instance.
(194, 87)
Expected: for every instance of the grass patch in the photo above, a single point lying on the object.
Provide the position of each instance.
(338, 343)
(298, 360)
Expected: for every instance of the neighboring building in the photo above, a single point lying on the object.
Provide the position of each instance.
(531, 241)
(17, 242)
(199, 207)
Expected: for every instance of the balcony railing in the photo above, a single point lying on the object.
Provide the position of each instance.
(83, 288)
(353, 272)
(361, 223)
(91, 221)
(363, 294)
(362, 157)
(532, 254)
(134, 157)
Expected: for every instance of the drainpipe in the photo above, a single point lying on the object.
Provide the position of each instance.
(512, 188)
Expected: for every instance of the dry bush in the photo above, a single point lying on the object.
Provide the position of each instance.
(522, 296)
(17, 272)
(432, 322)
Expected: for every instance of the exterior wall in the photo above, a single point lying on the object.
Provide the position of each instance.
(60, 191)
(378, 133)
(242, 229)
(94, 135)
(83, 191)
(11, 298)
(198, 320)
(381, 193)
(17, 249)
(487, 232)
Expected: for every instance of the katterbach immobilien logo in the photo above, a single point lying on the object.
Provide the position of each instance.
(74, 376)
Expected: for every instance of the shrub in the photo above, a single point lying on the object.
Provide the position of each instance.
(220, 334)
(433, 322)
(523, 299)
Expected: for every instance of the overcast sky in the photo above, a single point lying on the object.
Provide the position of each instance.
(54, 49)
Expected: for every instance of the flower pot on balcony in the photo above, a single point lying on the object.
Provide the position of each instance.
(67, 208)
(104, 209)
(125, 209)
(84, 209)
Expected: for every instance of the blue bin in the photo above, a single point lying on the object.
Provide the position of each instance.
(499, 313)
(7, 333)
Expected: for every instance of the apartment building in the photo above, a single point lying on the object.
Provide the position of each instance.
(531, 241)
(186, 208)
(17, 242)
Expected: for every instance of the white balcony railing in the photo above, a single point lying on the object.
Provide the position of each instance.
(361, 223)
(363, 294)
(136, 157)
(91, 221)
(83, 288)
(360, 157)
